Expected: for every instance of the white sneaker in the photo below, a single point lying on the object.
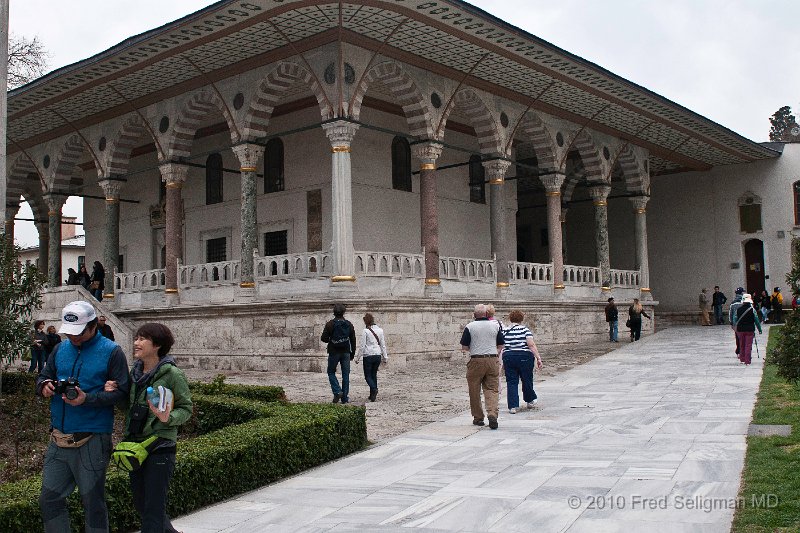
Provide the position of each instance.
(532, 405)
(513, 410)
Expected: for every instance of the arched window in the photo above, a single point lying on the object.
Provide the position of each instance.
(401, 164)
(273, 166)
(477, 176)
(750, 213)
(796, 190)
(214, 179)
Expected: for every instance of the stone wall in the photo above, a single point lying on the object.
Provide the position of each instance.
(284, 336)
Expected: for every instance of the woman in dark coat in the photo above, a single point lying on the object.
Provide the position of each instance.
(746, 324)
(72, 277)
(98, 281)
(83, 277)
(635, 312)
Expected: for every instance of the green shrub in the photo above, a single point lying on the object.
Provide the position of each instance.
(14, 382)
(251, 392)
(787, 350)
(272, 441)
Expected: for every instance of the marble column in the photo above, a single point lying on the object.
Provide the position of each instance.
(174, 176)
(599, 193)
(11, 212)
(43, 229)
(563, 221)
(340, 133)
(111, 188)
(428, 153)
(54, 204)
(249, 155)
(496, 173)
(640, 235)
(552, 187)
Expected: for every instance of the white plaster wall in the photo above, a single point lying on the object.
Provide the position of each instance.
(693, 228)
(69, 259)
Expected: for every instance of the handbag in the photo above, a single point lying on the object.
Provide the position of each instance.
(130, 456)
(628, 323)
(94, 285)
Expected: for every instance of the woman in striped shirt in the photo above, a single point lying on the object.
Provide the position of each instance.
(519, 356)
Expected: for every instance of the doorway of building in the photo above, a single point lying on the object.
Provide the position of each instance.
(754, 264)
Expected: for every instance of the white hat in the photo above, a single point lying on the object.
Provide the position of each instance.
(747, 298)
(75, 316)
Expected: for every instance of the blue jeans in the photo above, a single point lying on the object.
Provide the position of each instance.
(64, 468)
(718, 314)
(335, 359)
(613, 330)
(98, 294)
(518, 365)
(38, 359)
(371, 364)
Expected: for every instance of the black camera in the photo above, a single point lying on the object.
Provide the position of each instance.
(68, 387)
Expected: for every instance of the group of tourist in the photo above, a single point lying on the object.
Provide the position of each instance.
(95, 282)
(634, 323)
(767, 306)
(85, 377)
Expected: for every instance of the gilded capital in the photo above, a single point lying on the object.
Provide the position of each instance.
(496, 170)
(599, 192)
(249, 155)
(552, 182)
(173, 173)
(111, 188)
(340, 133)
(639, 203)
(427, 153)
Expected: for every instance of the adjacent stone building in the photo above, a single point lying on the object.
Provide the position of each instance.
(254, 161)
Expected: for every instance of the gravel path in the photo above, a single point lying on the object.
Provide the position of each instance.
(409, 397)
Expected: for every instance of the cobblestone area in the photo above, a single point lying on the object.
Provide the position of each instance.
(409, 397)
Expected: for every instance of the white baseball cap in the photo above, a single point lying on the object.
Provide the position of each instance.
(75, 316)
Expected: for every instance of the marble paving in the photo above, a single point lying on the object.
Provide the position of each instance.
(650, 437)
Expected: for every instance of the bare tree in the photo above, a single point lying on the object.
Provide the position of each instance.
(27, 60)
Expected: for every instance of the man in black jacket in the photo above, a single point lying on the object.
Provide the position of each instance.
(340, 335)
(717, 301)
(612, 317)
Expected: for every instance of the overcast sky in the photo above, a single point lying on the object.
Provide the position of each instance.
(733, 61)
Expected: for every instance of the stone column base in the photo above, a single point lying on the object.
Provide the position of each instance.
(502, 291)
(343, 287)
(645, 294)
(172, 299)
(559, 292)
(245, 293)
(433, 290)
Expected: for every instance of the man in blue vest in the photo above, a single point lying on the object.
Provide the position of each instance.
(81, 418)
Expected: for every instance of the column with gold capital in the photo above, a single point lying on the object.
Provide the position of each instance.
(640, 230)
(340, 133)
(552, 186)
(111, 188)
(249, 155)
(496, 174)
(428, 153)
(174, 176)
(54, 204)
(599, 193)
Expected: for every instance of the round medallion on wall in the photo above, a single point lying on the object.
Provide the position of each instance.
(606, 153)
(559, 139)
(330, 74)
(163, 126)
(504, 119)
(238, 101)
(349, 74)
(101, 145)
(46, 161)
(436, 100)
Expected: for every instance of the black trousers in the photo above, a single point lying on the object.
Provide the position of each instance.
(149, 485)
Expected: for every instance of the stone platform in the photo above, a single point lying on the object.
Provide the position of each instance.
(650, 437)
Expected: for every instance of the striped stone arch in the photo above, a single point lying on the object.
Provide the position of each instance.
(124, 141)
(402, 87)
(63, 173)
(194, 111)
(271, 90)
(486, 129)
(531, 129)
(633, 169)
(592, 165)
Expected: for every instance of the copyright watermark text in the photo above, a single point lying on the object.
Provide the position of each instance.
(636, 502)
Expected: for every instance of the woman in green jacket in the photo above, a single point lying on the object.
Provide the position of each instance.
(153, 367)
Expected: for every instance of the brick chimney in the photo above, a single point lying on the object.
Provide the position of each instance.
(68, 227)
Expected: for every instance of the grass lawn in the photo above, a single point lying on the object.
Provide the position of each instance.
(772, 464)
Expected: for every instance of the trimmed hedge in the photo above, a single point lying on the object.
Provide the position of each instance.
(251, 392)
(14, 382)
(267, 442)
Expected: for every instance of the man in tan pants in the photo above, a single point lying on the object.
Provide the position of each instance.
(483, 341)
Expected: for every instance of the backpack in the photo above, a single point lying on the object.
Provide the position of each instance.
(340, 336)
